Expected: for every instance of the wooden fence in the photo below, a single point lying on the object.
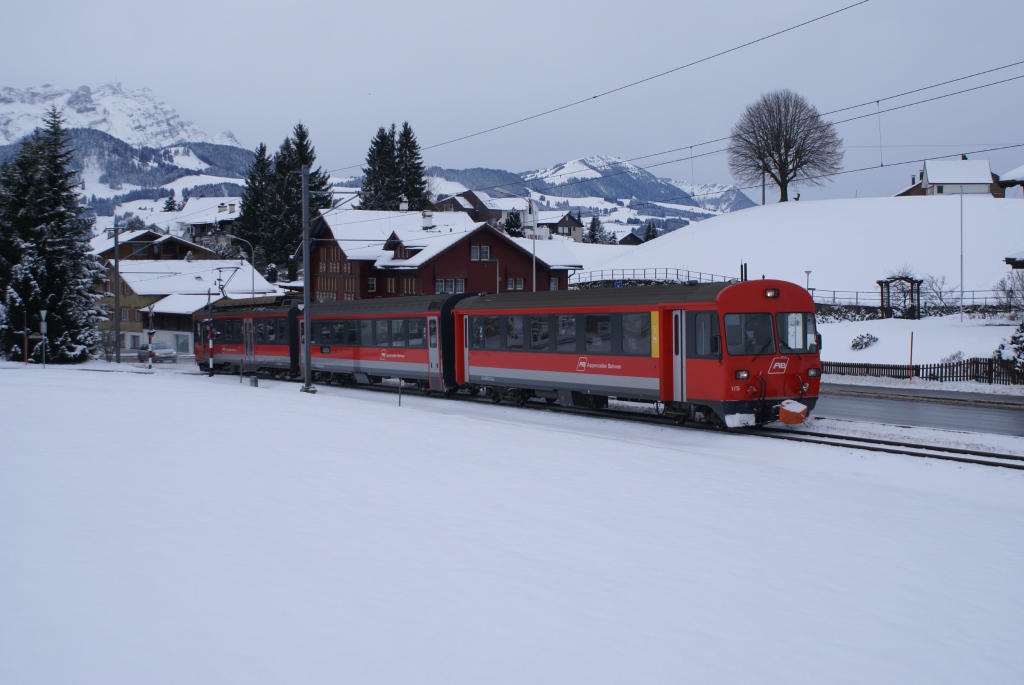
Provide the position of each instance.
(982, 370)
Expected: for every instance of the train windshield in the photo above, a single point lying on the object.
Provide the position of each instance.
(749, 334)
(796, 332)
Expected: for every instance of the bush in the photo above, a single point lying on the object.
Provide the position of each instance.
(863, 341)
(957, 356)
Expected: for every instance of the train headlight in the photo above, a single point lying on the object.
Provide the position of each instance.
(771, 292)
(742, 375)
(813, 373)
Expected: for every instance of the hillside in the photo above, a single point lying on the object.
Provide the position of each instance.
(847, 244)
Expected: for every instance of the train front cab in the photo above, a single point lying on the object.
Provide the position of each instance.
(754, 348)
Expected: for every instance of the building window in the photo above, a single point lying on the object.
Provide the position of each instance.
(438, 286)
(449, 285)
(510, 283)
(391, 285)
(138, 315)
(125, 290)
(460, 285)
(409, 286)
(485, 253)
(474, 253)
(126, 314)
(938, 189)
(519, 284)
(371, 285)
(553, 283)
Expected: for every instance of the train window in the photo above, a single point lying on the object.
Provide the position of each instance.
(282, 331)
(398, 333)
(599, 333)
(701, 332)
(539, 338)
(270, 331)
(565, 332)
(492, 332)
(382, 332)
(796, 333)
(749, 334)
(325, 336)
(433, 333)
(258, 331)
(636, 334)
(415, 332)
(514, 332)
(366, 332)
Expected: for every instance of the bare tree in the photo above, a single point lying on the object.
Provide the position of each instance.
(782, 137)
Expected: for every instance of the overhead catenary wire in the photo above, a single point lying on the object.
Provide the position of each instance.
(632, 84)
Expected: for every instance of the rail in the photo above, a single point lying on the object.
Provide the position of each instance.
(871, 298)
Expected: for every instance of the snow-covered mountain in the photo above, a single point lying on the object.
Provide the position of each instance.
(136, 117)
(715, 196)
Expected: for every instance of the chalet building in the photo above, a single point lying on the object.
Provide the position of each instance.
(561, 223)
(163, 294)
(148, 244)
(491, 210)
(366, 254)
(1012, 178)
(203, 216)
(953, 177)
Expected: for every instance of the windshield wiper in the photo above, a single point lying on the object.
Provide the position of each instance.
(763, 348)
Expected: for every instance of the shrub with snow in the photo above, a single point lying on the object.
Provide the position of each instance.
(1014, 350)
(957, 356)
(863, 341)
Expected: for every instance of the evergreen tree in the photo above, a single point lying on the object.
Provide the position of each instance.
(514, 224)
(411, 172)
(260, 208)
(650, 232)
(381, 187)
(594, 231)
(45, 250)
(286, 233)
(170, 205)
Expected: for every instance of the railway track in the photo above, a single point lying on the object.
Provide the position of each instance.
(940, 452)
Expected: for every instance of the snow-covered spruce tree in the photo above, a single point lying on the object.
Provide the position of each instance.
(1017, 347)
(260, 208)
(514, 224)
(381, 187)
(169, 204)
(47, 247)
(412, 179)
(650, 232)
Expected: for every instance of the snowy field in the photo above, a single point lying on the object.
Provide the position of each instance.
(171, 528)
(935, 337)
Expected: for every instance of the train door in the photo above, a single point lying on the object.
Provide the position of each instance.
(302, 347)
(678, 356)
(248, 338)
(433, 355)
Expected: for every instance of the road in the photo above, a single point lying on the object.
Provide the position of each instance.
(924, 414)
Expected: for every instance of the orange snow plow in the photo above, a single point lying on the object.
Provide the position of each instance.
(792, 413)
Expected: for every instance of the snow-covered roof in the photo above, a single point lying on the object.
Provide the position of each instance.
(101, 243)
(463, 202)
(1014, 175)
(179, 277)
(556, 253)
(952, 172)
(878, 235)
(208, 210)
(184, 304)
(429, 247)
(552, 217)
(507, 204)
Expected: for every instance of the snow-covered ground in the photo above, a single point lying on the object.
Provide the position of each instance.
(922, 384)
(935, 338)
(847, 244)
(170, 528)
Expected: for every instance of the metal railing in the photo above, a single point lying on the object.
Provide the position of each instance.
(872, 298)
(647, 275)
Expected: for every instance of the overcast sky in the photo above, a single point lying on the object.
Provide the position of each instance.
(453, 68)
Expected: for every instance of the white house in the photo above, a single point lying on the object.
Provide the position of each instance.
(952, 177)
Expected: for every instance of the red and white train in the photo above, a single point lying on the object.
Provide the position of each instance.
(723, 353)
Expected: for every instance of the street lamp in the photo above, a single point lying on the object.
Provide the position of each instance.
(808, 272)
(223, 238)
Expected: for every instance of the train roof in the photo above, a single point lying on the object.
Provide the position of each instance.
(597, 297)
(413, 304)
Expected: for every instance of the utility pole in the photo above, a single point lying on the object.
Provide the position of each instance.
(762, 184)
(117, 295)
(307, 385)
